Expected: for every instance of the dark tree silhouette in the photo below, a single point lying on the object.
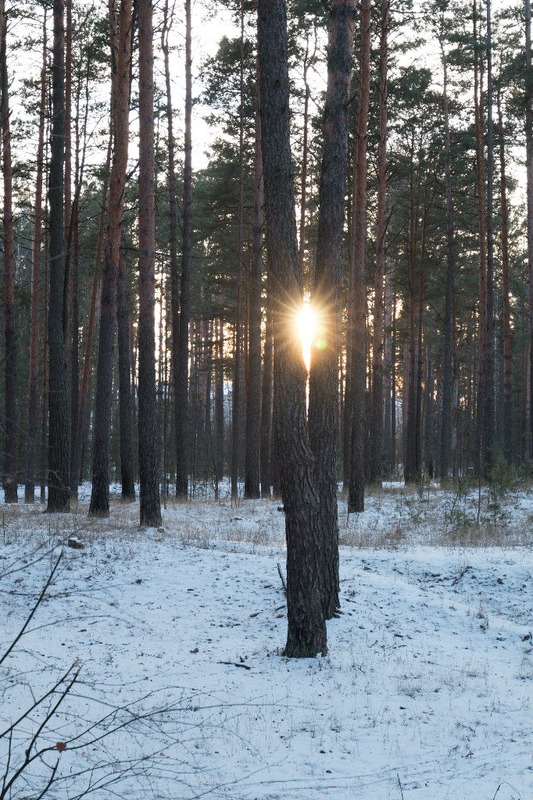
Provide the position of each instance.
(306, 624)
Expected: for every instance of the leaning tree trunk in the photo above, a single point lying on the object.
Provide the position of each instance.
(325, 350)
(150, 503)
(306, 624)
(10, 363)
(58, 411)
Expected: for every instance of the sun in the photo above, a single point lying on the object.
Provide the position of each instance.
(307, 326)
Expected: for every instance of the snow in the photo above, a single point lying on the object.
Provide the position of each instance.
(426, 693)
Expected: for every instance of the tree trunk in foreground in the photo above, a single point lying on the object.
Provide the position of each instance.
(529, 174)
(325, 352)
(306, 624)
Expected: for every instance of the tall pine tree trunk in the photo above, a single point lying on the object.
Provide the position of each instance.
(446, 431)
(483, 387)
(488, 413)
(150, 504)
(239, 341)
(58, 410)
(267, 401)
(10, 479)
(253, 383)
(219, 403)
(325, 351)
(506, 296)
(181, 352)
(120, 23)
(306, 624)
(376, 422)
(356, 494)
(125, 389)
(529, 174)
(35, 337)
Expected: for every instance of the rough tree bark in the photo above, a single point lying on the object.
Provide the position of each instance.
(253, 384)
(58, 410)
(181, 352)
(150, 503)
(325, 350)
(33, 385)
(10, 479)
(356, 493)
(446, 431)
(120, 26)
(306, 624)
(506, 295)
(378, 338)
(529, 174)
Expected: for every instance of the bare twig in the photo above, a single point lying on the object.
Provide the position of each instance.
(283, 581)
(34, 609)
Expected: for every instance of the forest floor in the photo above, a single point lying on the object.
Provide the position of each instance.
(426, 693)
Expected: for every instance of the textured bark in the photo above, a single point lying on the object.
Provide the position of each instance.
(325, 351)
(446, 431)
(58, 411)
(410, 439)
(237, 408)
(182, 377)
(267, 402)
(252, 473)
(306, 624)
(173, 225)
(305, 154)
(150, 504)
(376, 420)
(529, 176)
(10, 478)
(35, 338)
(389, 362)
(488, 412)
(125, 390)
(506, 296)
(120, 25)
(483, 349)
(356, 493)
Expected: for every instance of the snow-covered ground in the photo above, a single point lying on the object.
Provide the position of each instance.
(426, 693)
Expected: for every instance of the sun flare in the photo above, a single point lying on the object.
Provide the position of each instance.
(307, 323)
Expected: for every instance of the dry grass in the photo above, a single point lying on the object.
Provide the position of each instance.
(394, 518)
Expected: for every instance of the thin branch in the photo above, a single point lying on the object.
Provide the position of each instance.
(34, 609)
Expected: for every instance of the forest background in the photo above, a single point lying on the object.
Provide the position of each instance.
(434, 343)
